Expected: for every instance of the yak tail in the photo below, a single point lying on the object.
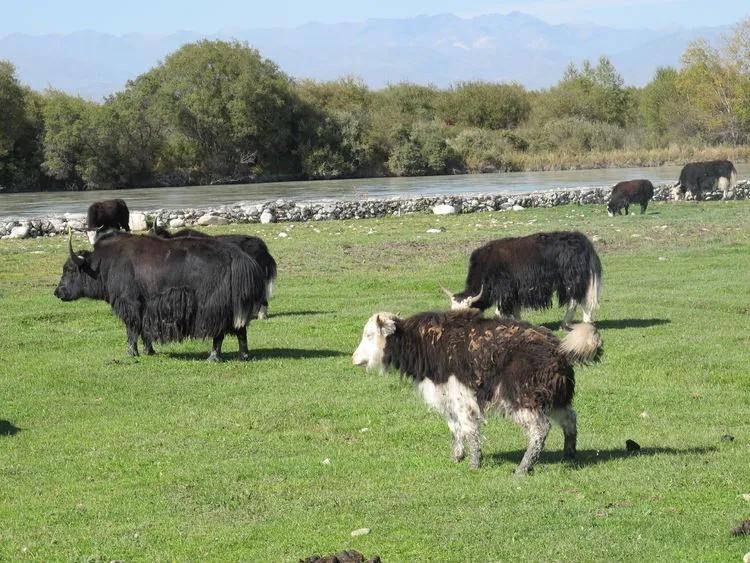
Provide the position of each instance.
(595, 282)
(582, 345)
(593, 290)
(248, 288)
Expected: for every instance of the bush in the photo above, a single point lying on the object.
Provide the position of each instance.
(486, 105)
(576, 134)
(481, 150)
(420, 151)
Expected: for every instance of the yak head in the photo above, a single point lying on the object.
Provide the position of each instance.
(371, 349)
(77, 272)
(613, 207)
(464, 299)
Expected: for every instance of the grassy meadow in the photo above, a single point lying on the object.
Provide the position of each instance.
(105, 457)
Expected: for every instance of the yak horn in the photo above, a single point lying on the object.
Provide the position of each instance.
(447, 292)
(478, 296)
(77, 260)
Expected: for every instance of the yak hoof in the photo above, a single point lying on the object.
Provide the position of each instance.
(244, 356)
(262, 315)
(566, 327)
(458, 458)
(213, 357)
(522, 471)
(133, 353)
(569, 455)
(149, 351)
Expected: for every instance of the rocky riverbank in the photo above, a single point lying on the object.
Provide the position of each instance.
(286, 210)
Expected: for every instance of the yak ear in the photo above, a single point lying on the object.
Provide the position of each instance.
(386, 324)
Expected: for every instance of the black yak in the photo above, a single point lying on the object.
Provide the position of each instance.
(106, 216)
(523, 273)
(252, 246)
(466, 365)
(699, 177)
(168, 290)
(632, 191)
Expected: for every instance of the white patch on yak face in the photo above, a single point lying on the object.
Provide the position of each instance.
(371, 348)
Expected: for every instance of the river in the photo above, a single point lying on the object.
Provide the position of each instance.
(37, 204)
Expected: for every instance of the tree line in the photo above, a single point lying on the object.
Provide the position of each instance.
(216, 111)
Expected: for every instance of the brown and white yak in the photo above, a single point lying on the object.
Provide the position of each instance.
(466, 365)
(524, 273)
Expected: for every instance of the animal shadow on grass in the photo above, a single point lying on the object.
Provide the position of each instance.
(8, 428)
(594, 457)
(262, 354)
(618, 323)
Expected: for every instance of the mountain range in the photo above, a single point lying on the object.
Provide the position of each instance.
(438, 50)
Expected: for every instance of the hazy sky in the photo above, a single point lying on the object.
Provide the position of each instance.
(164, 16)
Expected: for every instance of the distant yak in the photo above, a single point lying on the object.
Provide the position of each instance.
(524, 273)
(699, 177)
(255, 247)
(465, 365)
(632, 191)
(106, 216)
(168, 290)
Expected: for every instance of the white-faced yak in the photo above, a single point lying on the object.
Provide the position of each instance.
(168, 290)
(523, 273)
(466, 365)
(699, 177)
(254, 247)
(107, 216)
(625, 193)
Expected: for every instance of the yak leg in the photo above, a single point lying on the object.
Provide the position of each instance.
(458, 438)
(242, 341)
(536, 425)
(148, 347)
(627, 210)
(465, 409)
(215, 355)
(566, 418)
(133, 334)
(263, 311)
(644, 205)
(570, 311)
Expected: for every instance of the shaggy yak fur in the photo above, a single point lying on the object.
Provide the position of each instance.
(108, 215)
(168, 290)
(524, 272)
(697, 177)
(466, 365)
(632, 191)
(254, 247)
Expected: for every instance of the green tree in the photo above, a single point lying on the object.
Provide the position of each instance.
(229, 110)
(594, 93)
(21, 130)
(486, 105)
(716, 83)
(69, 138)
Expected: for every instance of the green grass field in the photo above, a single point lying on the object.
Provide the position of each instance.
(107, 457)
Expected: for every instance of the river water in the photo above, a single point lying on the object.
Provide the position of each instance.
(56, 203)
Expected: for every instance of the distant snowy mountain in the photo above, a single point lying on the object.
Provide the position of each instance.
(426, 49)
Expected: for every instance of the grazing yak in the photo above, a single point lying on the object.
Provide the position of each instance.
(697, 177)
(524, 272)
(254, 247)
(106, 216)
(632, 191)
(466, 365)
(168, 290)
